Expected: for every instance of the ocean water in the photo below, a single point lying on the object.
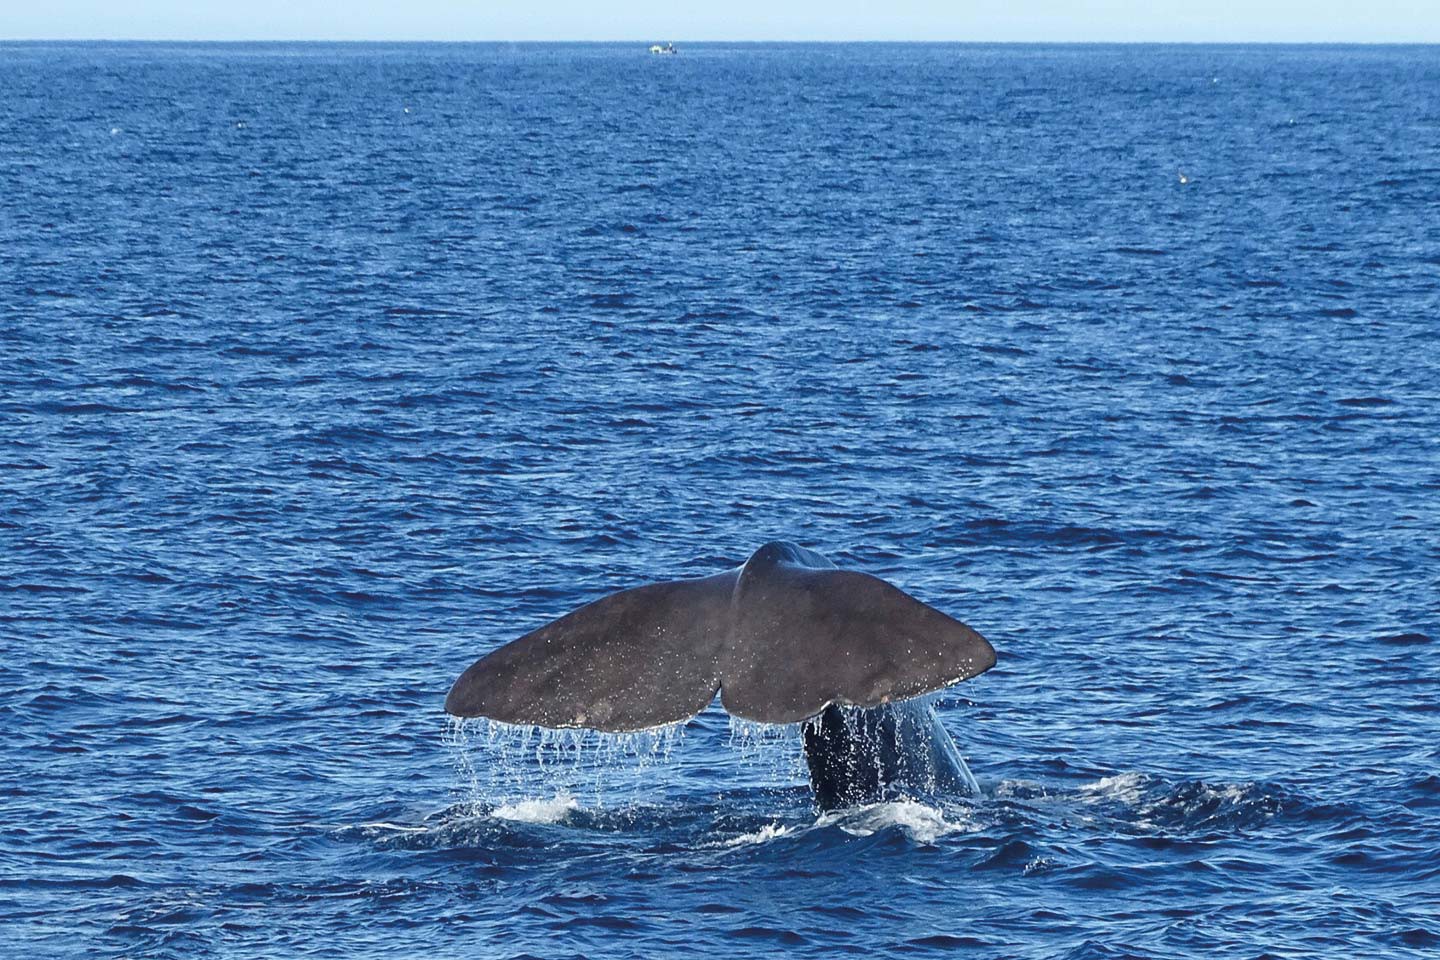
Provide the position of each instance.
(326, 369)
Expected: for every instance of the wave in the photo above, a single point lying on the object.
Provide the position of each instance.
(1140, 803)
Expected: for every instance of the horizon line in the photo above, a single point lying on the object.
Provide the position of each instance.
(650, 40)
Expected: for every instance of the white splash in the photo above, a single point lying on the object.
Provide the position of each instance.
(1123, 788)
(768, 832)
(553, 810)
(921, 822)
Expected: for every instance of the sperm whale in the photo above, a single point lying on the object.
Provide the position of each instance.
(786, 637)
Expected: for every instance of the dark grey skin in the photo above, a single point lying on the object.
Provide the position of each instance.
(860, 755)
(784, 638)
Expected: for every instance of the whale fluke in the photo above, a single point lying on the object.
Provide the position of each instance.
(635, 659)
(781, 638)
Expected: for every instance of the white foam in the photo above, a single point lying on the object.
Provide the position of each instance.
(1123, 787)
(768, 832)
(920, 822)
(381, 825)
(553, 810)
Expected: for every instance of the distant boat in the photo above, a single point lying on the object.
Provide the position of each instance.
(665, 49)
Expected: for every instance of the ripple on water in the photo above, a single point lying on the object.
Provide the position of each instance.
(307, 401)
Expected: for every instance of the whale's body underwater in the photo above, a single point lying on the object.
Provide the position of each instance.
(784, 638)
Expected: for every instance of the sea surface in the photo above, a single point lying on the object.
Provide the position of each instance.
(325, 369)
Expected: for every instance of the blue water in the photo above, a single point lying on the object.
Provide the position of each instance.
(326, 369)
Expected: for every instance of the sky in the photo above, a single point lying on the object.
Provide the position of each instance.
(1359, 21)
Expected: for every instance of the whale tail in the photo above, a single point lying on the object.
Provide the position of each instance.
(780, 638)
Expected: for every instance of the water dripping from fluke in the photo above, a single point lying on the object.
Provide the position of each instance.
(538, 774)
